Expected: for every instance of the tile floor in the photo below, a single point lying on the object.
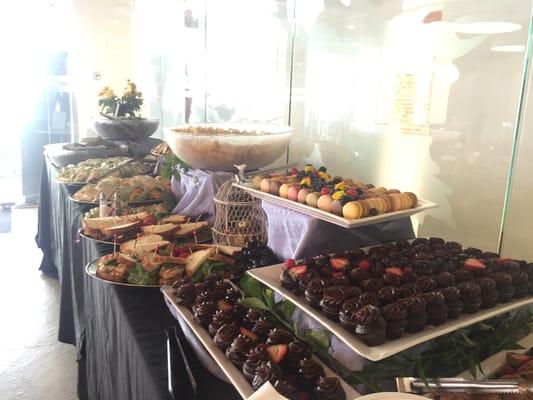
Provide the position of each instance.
(33, 364)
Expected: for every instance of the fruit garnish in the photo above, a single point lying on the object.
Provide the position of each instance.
(507, 370)
(364, 264)
(323, 169)
(308, 168)
(325, 190)
(351, 192)
(249, 334)
(224, 306)
(277, 352)
(306, 182)
(298, 271)
(516, 360)
(294, 171)
(338, 195)
(473, 264)
(339, 264)
(289, 263)
(394, 271)
(340, 186)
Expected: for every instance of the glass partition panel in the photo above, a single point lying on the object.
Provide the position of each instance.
(415, 95)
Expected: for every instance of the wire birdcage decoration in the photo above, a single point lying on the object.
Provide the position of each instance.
(239, 217)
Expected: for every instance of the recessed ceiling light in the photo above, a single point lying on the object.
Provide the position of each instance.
(486, 27)
(509, 48)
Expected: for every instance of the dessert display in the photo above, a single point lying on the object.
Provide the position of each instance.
(383, 291)
(348, 198)
(136, 189)
(161, 150)
(94, 168)
(258, 347)
(154, 261)
(228, 144)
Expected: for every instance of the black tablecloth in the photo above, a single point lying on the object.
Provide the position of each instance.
(118, 330)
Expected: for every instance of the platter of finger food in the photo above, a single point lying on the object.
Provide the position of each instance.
(388, 298)
(137, 190)
(161, 150)
(154, 261)
(342, 201)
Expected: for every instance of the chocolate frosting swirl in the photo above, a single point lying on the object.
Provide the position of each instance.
(394, 312)
(186, 292)
(502, 279)
(392, 280)
(254, 358)
(310, 370)
(469, 291)
(451, 293)
(462, 276)
(204, 296)
(339, 280)
(203, 312)
(329, 388)
(434, 298)
(251, 317)
(426, 283)
(219, 319)
(357, 276)
(263, 326)
(232, 295)
(414, 304)
(369, 298)
(487, 285)
(445, 279)
(387, 295)
(352, 292)
(408, 289)
(225, 335)
(279, 336)
(333, 297)
(297, 352)
(236, 352)
(286, 389)
(409, 277)
(266, 372)
(372, 285)
(367, 315)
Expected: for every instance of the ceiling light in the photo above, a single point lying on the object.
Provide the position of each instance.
(509, 48)
(486, 27)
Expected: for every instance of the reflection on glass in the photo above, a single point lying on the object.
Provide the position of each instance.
(410, 95)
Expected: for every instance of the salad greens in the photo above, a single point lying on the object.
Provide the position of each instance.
(139, 276)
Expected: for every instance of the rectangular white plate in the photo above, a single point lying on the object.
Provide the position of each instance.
(333, 218)
(270, 276)
(234, 375)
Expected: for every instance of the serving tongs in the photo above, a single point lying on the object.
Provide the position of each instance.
(456, 385)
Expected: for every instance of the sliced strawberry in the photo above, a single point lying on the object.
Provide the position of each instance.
(473, 264)
(289, 263)
(294, 171)
(298, 271)
(516, 360)
(224, 306)
(507, 370)
(277, 352)
(394, 271)
(364, 264)
(325, 190)
(249, 334)
(339, 263)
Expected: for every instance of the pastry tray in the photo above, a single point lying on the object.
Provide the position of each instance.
(422, 205)
(270, 276)
(234, 375)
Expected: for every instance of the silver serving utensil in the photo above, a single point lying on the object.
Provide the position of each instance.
(420, 386)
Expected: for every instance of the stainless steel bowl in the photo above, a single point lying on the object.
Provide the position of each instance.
(255, 145)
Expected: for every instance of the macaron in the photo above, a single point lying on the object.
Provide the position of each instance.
(274, 187)
(312, 199)
(302, 195)
(265, 185)
(336, 207)
(413, 197)
(352, 210)
(284, 190)
(256, 182)
(324, 202)
(292, 193)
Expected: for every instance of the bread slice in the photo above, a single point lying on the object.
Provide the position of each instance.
(127, 260)
(143, 244)
(196, 259)
(229, 250)
(189, 229)
(105, 222)
(121, 228)
(175, 219)
(222, 258)
(163, 230)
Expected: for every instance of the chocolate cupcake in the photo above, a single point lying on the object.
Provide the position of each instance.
(444, 279)
(219, 289)
(297, 351)
(305, 279)
(489, 295)
(329, 388)
(250, 318)
(279, 336)
(426, 284)
(387, 295)
(347, 314)
(408, 290)
(504, 286)
(369, 298)
(452, 295)
(232, 295)
(186, 293)
(239, 310)
(520, 283)
(436, 242)
(416, 313)
(396, 316)
(372, 285)
(219, 319)
(225, 335)
(462, 275)
(357, 276)
(288, 281)
(254, 358)
(309, 372)
(203, 312)
(392, 280)
(436, 308)
(237, 351)
(408, 276)
(205, 296)
(331, 302)
(352, 292)
(377, 269)
(266, 372)
(339, 280)
(370, 326)
(314, 292)
(286, 389)
(263, 327)
(471, 296)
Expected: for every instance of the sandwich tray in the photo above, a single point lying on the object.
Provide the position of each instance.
(422, 205)
(119, 242)
(130, 204)
(90, 269)
(233, 374)
(270, 276)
